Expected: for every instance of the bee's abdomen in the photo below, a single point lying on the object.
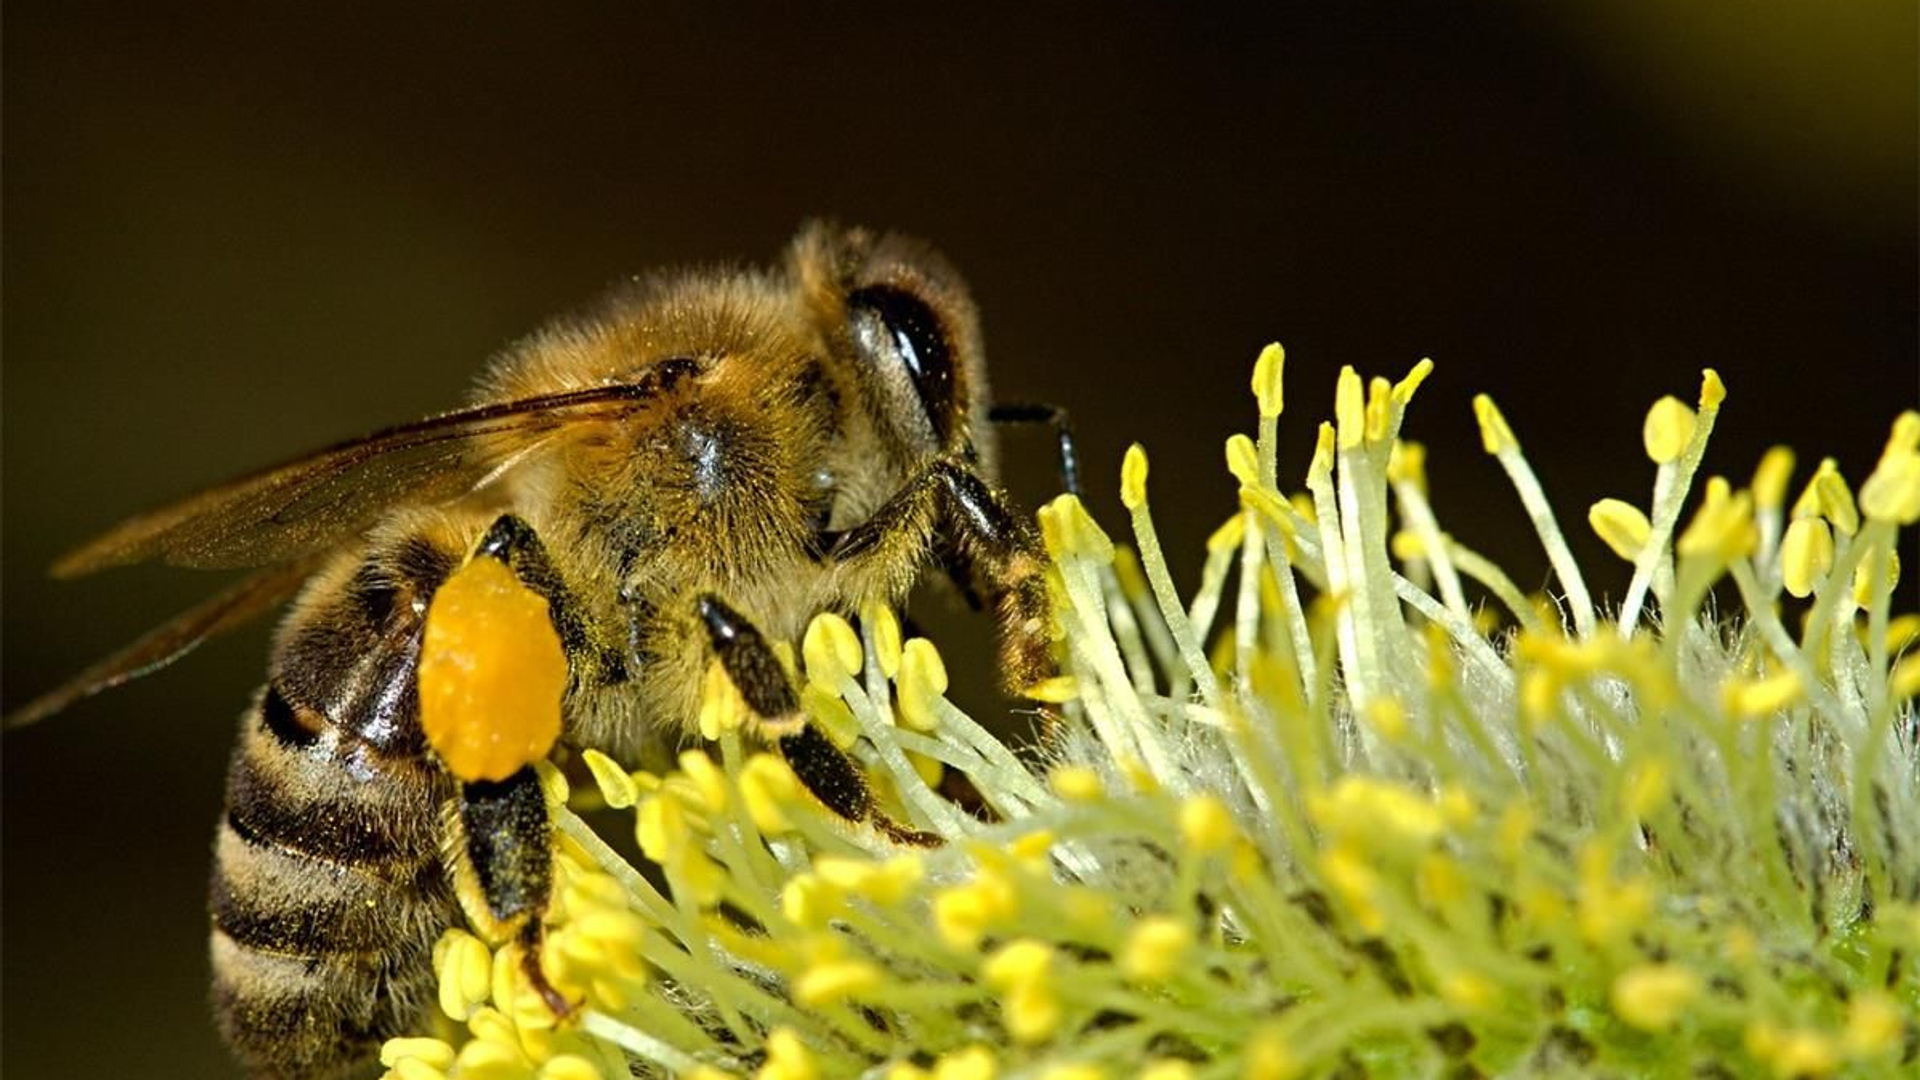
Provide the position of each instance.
(327, 894)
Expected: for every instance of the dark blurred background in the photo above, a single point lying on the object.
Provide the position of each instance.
(232, 235)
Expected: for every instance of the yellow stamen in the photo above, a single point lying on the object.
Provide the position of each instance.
(1133, 478)
(1667, 430)
(1621, 526)
(1267, 372)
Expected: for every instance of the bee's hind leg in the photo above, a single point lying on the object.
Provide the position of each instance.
(503, 858)
(822, 767)
(504, 867)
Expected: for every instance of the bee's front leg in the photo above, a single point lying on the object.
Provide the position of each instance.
(989, 550)
(828, 773)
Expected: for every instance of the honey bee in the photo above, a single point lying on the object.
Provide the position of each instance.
(685, 473)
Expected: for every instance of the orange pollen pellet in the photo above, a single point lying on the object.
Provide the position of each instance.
(491, 673)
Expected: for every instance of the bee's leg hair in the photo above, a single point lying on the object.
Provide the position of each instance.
(822, 767)
(507, 840)
(987, 548)
(1053, 416)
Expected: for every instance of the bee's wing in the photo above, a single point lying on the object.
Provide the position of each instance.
(309, 505)
(252, 596)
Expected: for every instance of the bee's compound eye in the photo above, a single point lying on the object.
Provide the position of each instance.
(894, 327)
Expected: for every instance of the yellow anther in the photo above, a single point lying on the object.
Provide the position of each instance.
(893, 881)
(1167, 1069)
(831, 714)
(1322, 451)
(1667, 430)
(1379, 408)
(1018, 963)
(722, 709)
(766, 784)
(1388, 717)
(832, 651)
(568, 1067)
(1834, 497)
(1407, 545)
(1156, 948)
(1495, 435)
(964, 913)
(809, 901)
(1054, 690)
(1723, 526)
(1863, 579)
(1354, 880)
(923, 678)
(830, 983)
(1349, 409)
(1905, 435)
(1770, 479)
(1652, 996)
(787, 1058)
(1904, 680)
(1892, 492)
(707, 779)
(1031, 1012)
(1441, 881)
(553, 783)
(1712, 390)
(491, 673)
(884, 625)
(1077, 783)
(1874, 1024)
(1407, 464)
(1806, 554)
(1243, 460)
(415, 1069)
(464, 968)
(494, 1059)
(513, 992)
(1271, 509)
(1228, 536)
(1069, 530)
(1469, 991)
(662, 828)
(1360, 807)
(615, 783)
(1133, 478)
(1269, 1057)
(971, 1063)
(1266, 379)
(1404, 389)
(434, 1052)
(1034, 848)
(1621, 526)
(1206, 824)
(1795, 1053)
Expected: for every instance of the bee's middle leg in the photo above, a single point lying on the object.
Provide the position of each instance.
(822, 767)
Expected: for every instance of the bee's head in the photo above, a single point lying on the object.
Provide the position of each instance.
(905, 327)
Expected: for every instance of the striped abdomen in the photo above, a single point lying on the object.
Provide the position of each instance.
(328, 890)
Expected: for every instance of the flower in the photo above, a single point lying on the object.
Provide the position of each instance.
(1326, 814)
